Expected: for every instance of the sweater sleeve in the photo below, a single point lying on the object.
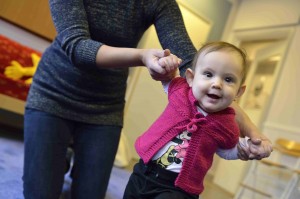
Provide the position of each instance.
(232, 154)
(228, 154)
(73, 34)
(172, 33)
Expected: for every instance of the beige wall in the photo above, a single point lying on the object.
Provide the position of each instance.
(283, 119)
(266, 13)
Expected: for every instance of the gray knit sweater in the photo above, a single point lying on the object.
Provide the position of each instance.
(67, 82)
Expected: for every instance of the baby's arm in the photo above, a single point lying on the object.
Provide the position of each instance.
(236, 152)
(261, 146)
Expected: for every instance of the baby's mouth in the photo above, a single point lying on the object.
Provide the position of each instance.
(213, 96)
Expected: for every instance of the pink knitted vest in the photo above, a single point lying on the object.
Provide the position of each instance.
(216, 130)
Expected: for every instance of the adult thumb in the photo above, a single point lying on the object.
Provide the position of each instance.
(167, 52)
(158, 53)
(256, 141)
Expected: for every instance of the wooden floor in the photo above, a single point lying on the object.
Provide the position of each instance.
(212, 191)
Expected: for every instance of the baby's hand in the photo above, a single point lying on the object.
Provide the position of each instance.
(260, 148)
(170, 64)
(243, 148)
(249, 150)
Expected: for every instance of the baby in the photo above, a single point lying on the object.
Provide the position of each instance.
(178, 148)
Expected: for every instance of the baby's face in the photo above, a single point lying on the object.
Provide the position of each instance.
(217, 80)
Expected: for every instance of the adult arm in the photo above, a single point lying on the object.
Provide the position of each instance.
(261, 146)
(73, 35)
(111, 57)
(172, 32)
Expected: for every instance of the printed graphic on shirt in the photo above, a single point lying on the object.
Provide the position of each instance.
(172, 154)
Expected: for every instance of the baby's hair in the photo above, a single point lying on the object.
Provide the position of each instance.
(221, 45)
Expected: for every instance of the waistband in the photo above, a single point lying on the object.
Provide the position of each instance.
(153, 170)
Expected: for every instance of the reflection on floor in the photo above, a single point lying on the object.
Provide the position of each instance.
(11, 163)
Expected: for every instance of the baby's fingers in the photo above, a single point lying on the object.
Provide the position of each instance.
(169, 63)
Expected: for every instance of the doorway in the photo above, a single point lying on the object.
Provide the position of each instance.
(266, 49)
(265, 57)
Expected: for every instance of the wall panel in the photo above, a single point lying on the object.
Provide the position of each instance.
(32, 15)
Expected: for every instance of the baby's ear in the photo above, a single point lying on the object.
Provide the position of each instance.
(189, 75)
(241, 91)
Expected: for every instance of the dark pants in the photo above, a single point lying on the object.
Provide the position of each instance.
(46, 140)
(152, 182)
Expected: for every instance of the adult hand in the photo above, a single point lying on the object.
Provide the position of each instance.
(161, 64)
(255, 148)
(260, 147)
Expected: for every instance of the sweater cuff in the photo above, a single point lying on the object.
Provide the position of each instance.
(86, 52)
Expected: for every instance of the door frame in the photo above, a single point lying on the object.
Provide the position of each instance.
(284, 34)
(236, 37)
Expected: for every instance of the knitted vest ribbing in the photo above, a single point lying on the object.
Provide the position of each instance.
(217, 130)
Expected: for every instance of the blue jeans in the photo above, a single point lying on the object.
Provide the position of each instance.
(46, 139)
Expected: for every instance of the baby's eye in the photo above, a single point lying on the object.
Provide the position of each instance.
(208, 74)
(229, 79)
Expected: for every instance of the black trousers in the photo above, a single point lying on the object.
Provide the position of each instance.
(152, 182)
